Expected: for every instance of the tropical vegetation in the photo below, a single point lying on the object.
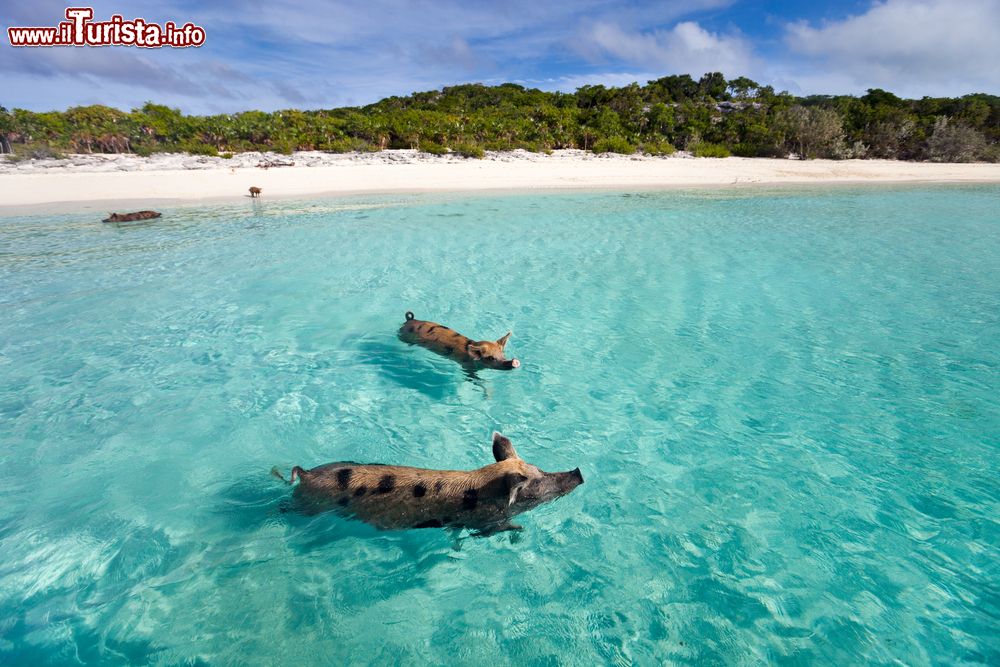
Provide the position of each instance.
(710, 116)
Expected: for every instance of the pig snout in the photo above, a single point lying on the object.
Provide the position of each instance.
(570, 480)
(512, 364)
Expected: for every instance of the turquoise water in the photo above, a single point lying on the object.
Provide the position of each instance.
(786, 405)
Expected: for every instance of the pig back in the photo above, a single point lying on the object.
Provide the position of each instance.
(399, 497)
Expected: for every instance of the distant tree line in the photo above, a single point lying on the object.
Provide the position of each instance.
(710, 117)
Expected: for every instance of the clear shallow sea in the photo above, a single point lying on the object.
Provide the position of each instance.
(785, 403)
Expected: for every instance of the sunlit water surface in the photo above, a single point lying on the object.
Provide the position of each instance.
(785, 404)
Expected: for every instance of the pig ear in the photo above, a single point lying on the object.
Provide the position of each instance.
(515, 482)
(503, 341)
(503, 449)
(474, 350)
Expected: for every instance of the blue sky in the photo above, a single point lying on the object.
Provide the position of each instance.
(275, 54)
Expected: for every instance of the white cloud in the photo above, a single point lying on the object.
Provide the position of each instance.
(911, 47)
(687, 48)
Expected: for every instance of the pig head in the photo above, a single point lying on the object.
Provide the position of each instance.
(450, 343)
(399, 497)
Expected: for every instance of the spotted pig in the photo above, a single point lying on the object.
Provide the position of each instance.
(398, 497)
(132, 217)
(450, 343)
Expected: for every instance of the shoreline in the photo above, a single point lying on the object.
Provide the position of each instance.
(127, 182)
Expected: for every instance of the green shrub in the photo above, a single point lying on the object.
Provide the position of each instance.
(433, 147)
(759, 150)
(657, 148)
(35, 152)
(468, 150)
(613, 145)
(707, 149)
(991, 153)
(496, 145)
(200, 149)
(349, 145)
(532, 146)
(226, 156)
(954, 142)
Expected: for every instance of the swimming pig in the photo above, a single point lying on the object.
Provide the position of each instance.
(397, 497)
(131, 217)
(450, 343)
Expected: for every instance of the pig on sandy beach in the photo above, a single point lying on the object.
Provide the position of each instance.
(397, 497)
(450, 343)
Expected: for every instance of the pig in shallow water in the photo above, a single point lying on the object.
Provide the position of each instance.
(450, 343)
(398, 497)
(132, 217)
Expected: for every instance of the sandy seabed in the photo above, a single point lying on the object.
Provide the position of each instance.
(120, 182)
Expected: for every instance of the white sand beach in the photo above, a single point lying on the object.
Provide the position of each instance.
(117, 182)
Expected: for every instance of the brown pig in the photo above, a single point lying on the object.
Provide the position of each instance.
(132, 217)
(450, 343)
(398, 497)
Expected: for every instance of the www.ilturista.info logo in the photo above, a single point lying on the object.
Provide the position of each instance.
(79, 30)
